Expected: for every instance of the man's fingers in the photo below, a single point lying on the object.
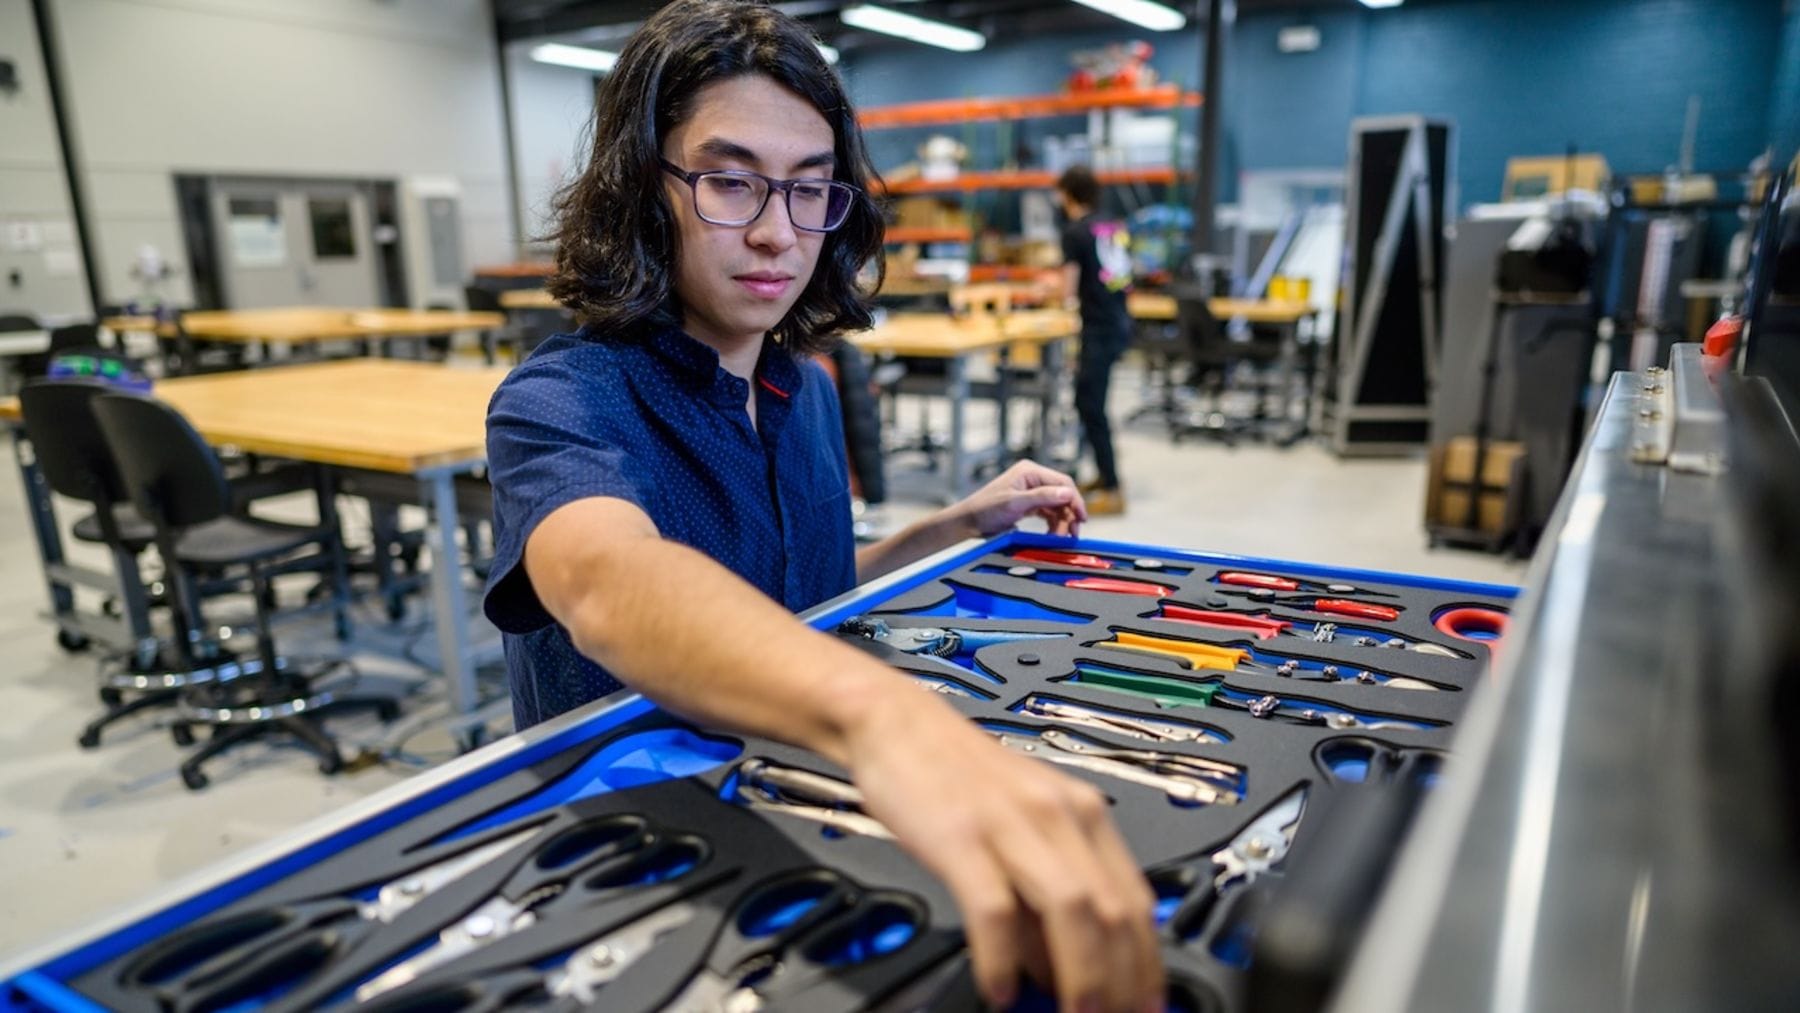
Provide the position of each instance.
(1134, 891)
(991, 916)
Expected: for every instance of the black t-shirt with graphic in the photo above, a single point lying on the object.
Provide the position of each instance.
(1102, 250)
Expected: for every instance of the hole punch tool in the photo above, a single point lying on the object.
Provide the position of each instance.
(222, 961)
(1264, 626)
(591, 858)
(773, 787)
(1186, 780)
(792, 932)
(1189, 890)
(1124, 723)
(1270, 582)
(1170, 690)
(949, 643)
(1204, 656)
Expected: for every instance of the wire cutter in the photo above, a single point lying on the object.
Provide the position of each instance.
(591, 858)
(1187, 891)
(773, 787)
(1204, 656)
(1240, 578)
(1263, 626)
(1186, 780)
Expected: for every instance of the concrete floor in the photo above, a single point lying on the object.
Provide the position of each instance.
(83, 832)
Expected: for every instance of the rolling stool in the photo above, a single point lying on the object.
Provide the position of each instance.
(176, 482)
(72, 454)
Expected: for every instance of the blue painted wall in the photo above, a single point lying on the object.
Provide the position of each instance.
(1518, 77)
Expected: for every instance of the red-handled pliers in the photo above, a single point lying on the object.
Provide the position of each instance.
(1270, 582)
(1314, 603)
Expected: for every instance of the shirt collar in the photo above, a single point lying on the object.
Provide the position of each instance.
(695, 362)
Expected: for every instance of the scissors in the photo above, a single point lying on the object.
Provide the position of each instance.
(1266, 627)
(1208, 656)
(791, 933)
(1187, 891)
(1358, 760)
(1171, 690)
(589, 859)
(576, 983)
(225, 960)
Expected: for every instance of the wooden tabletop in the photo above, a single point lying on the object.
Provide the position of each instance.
(529, 299)
(381, 414)
(323, 323)
(1156, 306)
(939, 335)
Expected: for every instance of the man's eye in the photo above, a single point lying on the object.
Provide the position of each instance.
(728, 184)
(810, 192)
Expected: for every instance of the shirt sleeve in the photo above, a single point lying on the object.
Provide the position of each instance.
(554, 435)
(1076, 243)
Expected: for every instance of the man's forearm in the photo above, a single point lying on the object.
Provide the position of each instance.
(913, 543)
(703, 643)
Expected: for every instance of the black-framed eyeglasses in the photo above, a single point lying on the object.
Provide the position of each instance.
(737, 197)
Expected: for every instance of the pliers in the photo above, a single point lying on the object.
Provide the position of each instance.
(1265, 627)
(1315, 603)
(1185, 691)
(1204, 656)
(1240, 578)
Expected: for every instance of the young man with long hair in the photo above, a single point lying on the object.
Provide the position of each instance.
(670, 486)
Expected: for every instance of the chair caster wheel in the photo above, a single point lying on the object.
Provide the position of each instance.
(387, 711)
(112, 696)
(90, 739)
(194, 780)
(182, 734)
(74, 643)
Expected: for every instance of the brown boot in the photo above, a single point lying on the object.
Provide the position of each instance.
(1105, 502)
(1088, 487)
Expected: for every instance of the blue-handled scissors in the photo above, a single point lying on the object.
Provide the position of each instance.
(791, 933)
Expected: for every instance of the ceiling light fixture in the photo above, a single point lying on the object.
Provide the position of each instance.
(1382, 3)
(891, 22)
(579, 57)
(1143, 13)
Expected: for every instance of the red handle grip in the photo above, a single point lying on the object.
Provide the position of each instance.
(1112, 586)
(1263, 628)
(1258, 580)
(1087, 560)
(1467, 622)
(1361, 610)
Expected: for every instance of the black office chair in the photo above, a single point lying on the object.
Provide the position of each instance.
(1217, 363)
(72, 454)
(176, 482)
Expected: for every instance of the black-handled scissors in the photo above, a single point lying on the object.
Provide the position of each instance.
(578, 864)
(791, 933)
(235, 957)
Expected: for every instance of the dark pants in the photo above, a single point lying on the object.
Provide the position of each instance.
(1093, 375)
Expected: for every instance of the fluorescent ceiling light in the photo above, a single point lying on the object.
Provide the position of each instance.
(1143, 13)
(1382, 3)
(905, 26)
(574, 56)
(830, 53)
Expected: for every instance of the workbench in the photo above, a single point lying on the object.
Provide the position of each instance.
(303, 325)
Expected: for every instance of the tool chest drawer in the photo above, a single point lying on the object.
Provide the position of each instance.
(1263, 730)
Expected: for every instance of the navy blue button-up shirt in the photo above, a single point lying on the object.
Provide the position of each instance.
(659, 423)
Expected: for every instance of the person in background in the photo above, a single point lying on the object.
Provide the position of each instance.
(670, 487)
(1097, 273)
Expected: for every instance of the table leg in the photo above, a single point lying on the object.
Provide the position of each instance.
(449, 604)
(1003, 397)
(1050, 385)
(958, 388)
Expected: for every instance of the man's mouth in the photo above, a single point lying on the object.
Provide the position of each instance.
(765, 284)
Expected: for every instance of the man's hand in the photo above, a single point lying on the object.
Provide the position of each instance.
(1026, 489)
(1045, 883)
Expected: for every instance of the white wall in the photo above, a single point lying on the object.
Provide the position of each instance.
(33, 190)
(551, 107)
(278, 87)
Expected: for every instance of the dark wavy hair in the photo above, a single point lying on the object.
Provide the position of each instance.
(616, 235)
